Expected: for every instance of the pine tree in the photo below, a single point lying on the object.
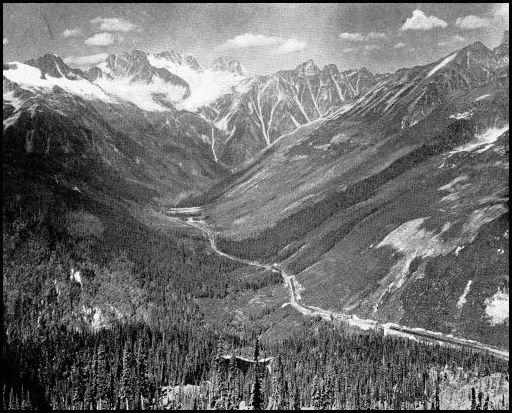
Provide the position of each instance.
(295, 402)
(486, 404)
(233, 399)
(128, 380)
(102, 379)
(316, 393)
(480, 399)
(256, 393)
(78, 386)
(142, 376)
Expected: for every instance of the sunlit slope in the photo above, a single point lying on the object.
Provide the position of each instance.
(385, 217)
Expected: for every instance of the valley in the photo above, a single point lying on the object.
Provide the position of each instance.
(290, 281)
(310, 215)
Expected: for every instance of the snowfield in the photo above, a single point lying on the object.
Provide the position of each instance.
(31, 77)
(441, 65)
(497, 307)
(206, 86)
(462, 298)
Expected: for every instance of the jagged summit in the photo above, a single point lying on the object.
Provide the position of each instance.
(502, 49)
(227, 64)
(308, 68)
(52, 65)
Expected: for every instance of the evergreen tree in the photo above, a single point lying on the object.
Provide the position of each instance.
(256, 392)
(128, 379)
(78, 386)
(295, 402)
(316, 393)
(486, 404)
(102, 379)
(142, 376)
(233, 399)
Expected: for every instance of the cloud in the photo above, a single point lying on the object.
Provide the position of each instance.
(113, 24)
(471, 22)
(291, 46)
(452, 40)
(100, 39)
(420, 21)
(375, 36)
(371, 47)
(359, 37)
(6, 41)
(500, 11)
(353, 37)
(248, 40)
(399, 45)
(348, 50)
(71, 32)
(86, 60)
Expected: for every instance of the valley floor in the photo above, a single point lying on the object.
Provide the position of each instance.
(184, 215)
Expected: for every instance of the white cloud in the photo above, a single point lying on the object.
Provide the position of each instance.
(251, 40)
(399, 45)
(71, 32)
(371, 47)
(291, 46)
(100, 39)
(353, 37)
(348, 50)
(6, 41)
(359, 37)
(452, 40)
(86, 60)
(113, 24)
(471, 22)
(500, 12)
(375, 36)
(420, 21)
(248, 40)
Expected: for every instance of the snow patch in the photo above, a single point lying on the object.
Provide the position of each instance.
(463, 115)
(462, 298)
(206, 86)
(442, 64)
(31, 77)
(497, 307)
(450, 186)
(75, 275)
(479, 98)
(141, 94)
(485, 139)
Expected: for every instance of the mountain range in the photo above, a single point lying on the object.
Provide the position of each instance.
(385, 195)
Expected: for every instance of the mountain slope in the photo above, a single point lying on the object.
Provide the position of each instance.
(370, 207)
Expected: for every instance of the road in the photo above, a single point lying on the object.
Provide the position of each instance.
(184, 216)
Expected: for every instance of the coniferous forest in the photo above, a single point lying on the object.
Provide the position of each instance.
(255, 206)
(63, 349)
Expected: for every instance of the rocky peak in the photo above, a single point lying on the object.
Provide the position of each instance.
(52, 65)
(502, 49)
(308, 68)
(227, 64)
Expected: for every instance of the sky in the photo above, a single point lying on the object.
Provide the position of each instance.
(265, 38)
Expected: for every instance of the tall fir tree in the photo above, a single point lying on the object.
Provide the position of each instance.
(102, 379)
(128, 379)
(256, 393)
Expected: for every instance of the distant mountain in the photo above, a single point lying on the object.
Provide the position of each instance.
(227, 64)
(267, 107)
(502, 49)
(393, 207)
